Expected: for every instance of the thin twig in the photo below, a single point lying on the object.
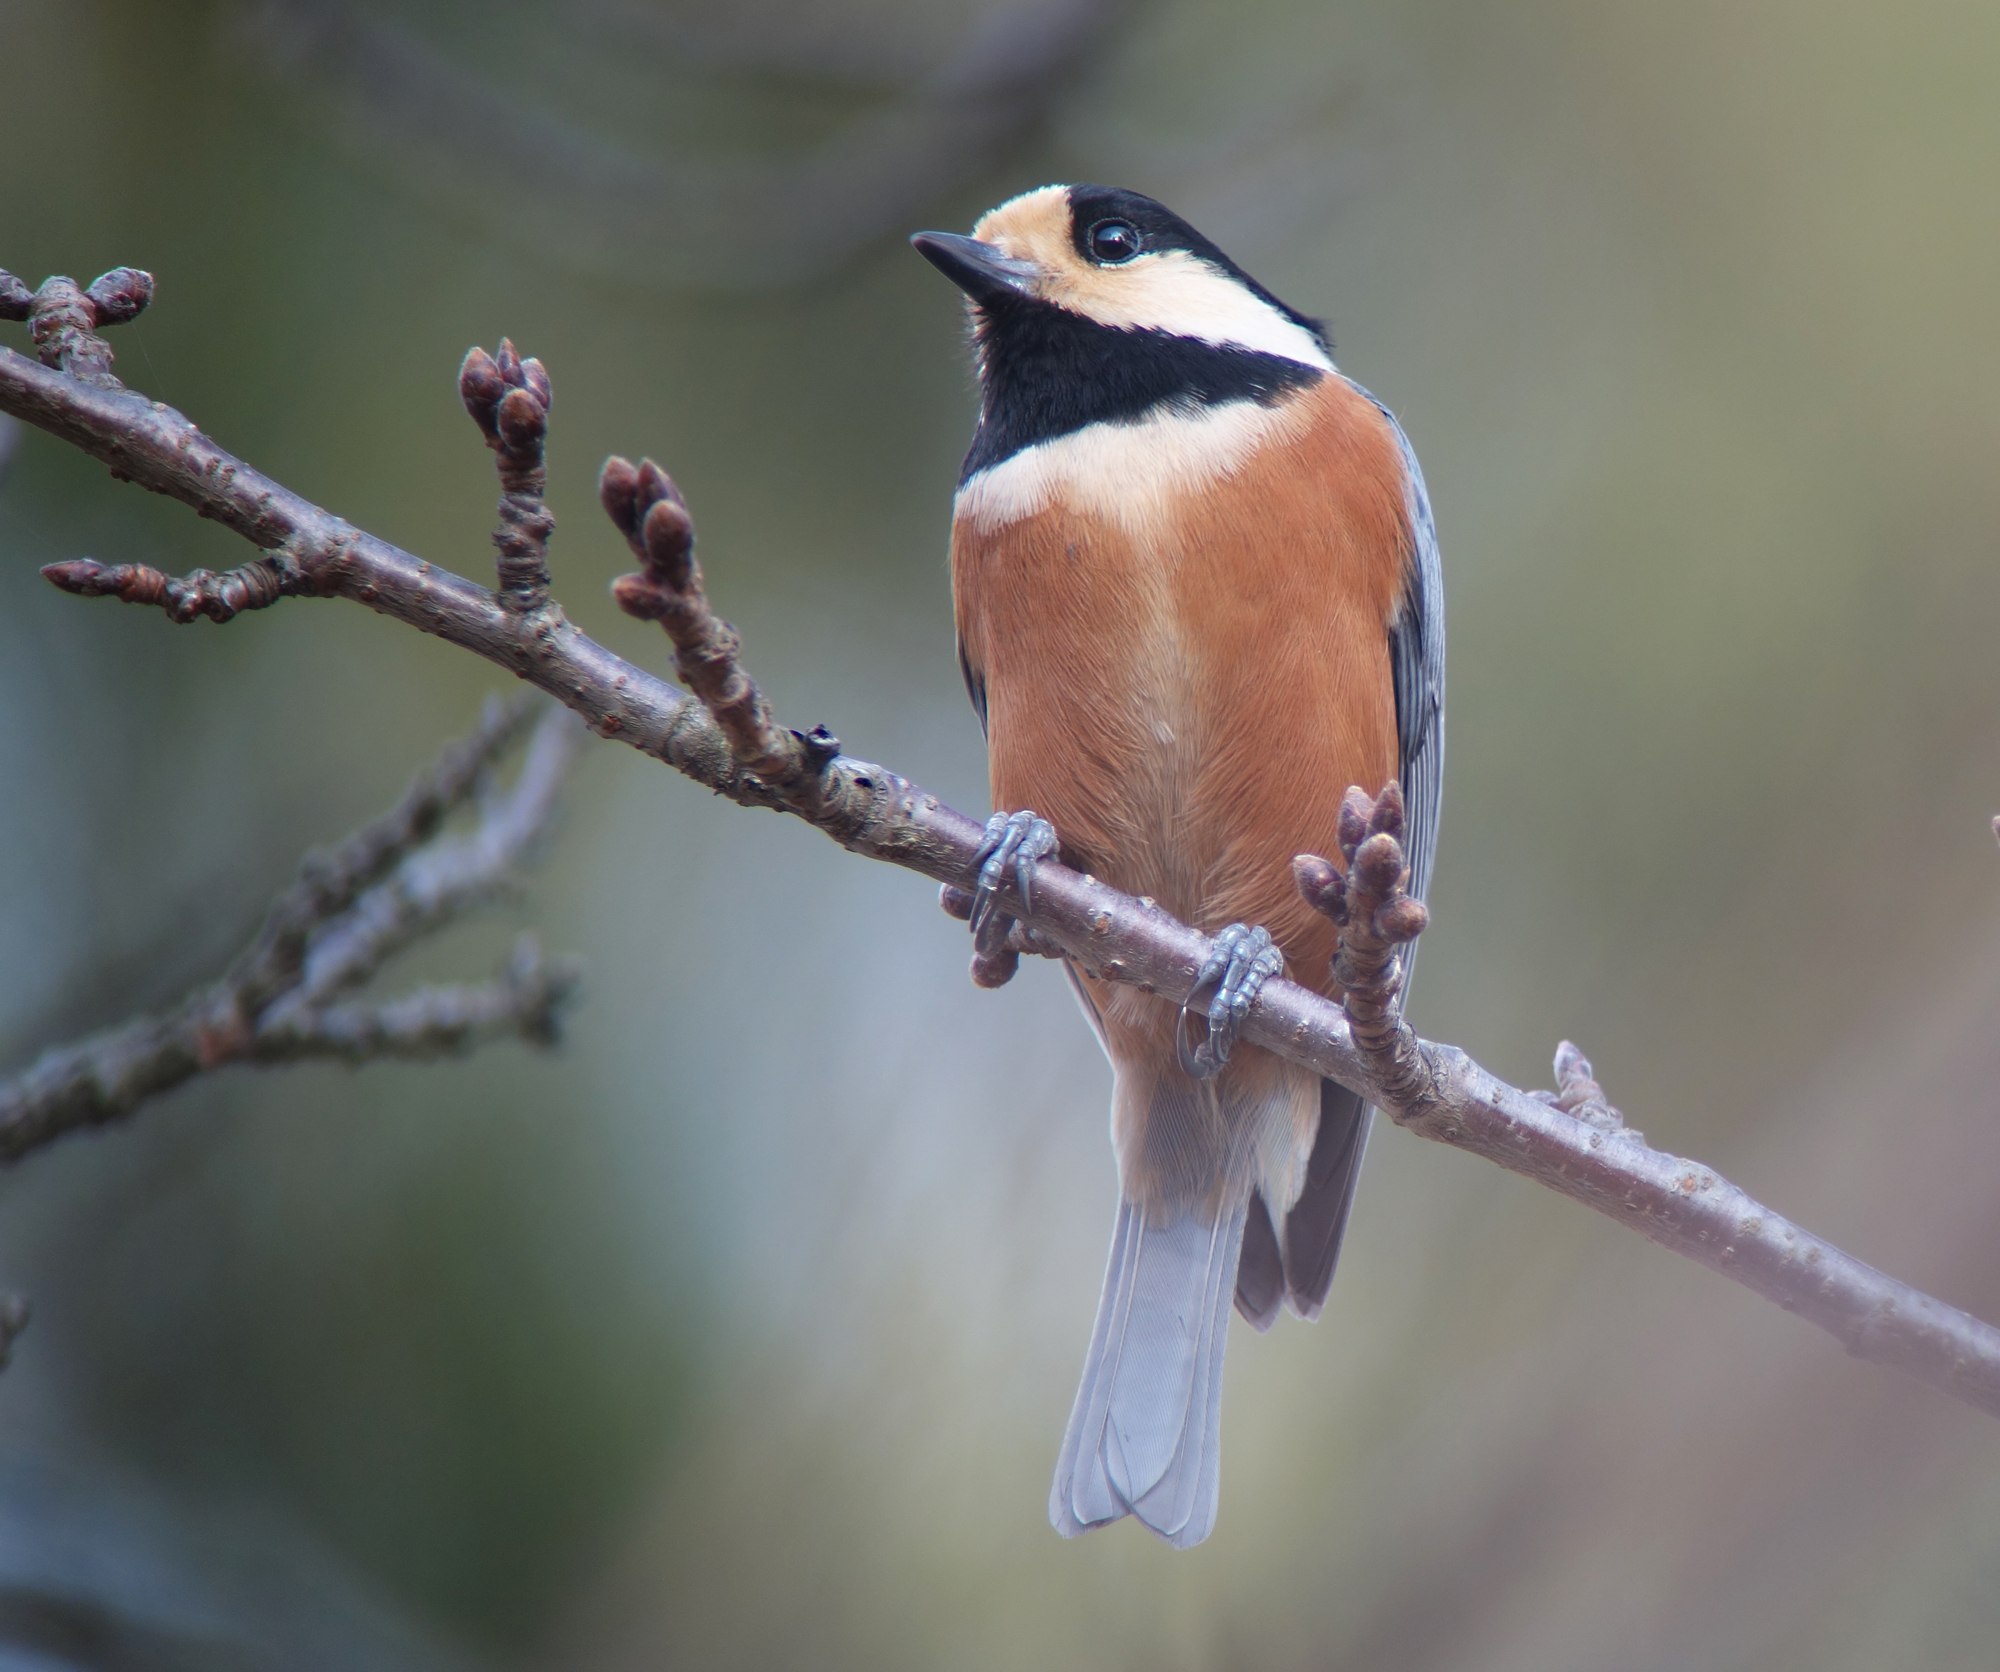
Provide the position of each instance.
(349, 910)
(329, 882)
(447, 876)
(219, 596)
(648, 509)
(509, 399)
(919, 125)
(523, 1000)
(1680, 1204)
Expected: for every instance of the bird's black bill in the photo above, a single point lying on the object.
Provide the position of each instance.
(977, 268)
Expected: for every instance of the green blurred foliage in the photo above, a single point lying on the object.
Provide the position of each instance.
(741, 1330)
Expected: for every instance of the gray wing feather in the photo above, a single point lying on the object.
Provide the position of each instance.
(1416, 660)
(1318, 1221)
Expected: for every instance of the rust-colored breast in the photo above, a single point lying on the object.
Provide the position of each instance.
(1184, 680)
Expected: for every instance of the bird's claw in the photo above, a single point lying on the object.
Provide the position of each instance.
(1242, 959)
(1018, 839)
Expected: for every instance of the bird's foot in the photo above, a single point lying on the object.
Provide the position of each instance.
(1016, 839)
(1242, 959)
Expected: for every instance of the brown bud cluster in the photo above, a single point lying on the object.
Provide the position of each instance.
(1376, 915)
(653, 516)
(509, 399)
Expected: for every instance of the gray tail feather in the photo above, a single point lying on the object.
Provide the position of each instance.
(1145, 1435)
(1318, 1219)
(1260, 1273)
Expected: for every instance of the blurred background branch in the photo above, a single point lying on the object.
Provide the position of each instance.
(898, 114)
(353, 906)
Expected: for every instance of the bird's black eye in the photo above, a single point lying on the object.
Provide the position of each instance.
(1112, 242)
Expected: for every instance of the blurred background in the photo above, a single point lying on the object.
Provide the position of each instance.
(741, 1331)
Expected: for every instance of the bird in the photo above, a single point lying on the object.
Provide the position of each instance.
(1197, 594)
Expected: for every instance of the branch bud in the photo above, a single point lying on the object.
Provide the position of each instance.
(481, 387)
(1321, 885)
(15, 297)
(1387, 815)
(120, 294)
(668, 533)
(522, 421)
(1355, 808)
(1378, 863)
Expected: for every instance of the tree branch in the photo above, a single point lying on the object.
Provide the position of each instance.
(351, 908)
(1433, 1090)
(524, 999)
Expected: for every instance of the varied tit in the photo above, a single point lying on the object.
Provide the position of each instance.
(1197, 596)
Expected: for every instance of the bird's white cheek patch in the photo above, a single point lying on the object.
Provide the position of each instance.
(1182, 295)
(1128, 473)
